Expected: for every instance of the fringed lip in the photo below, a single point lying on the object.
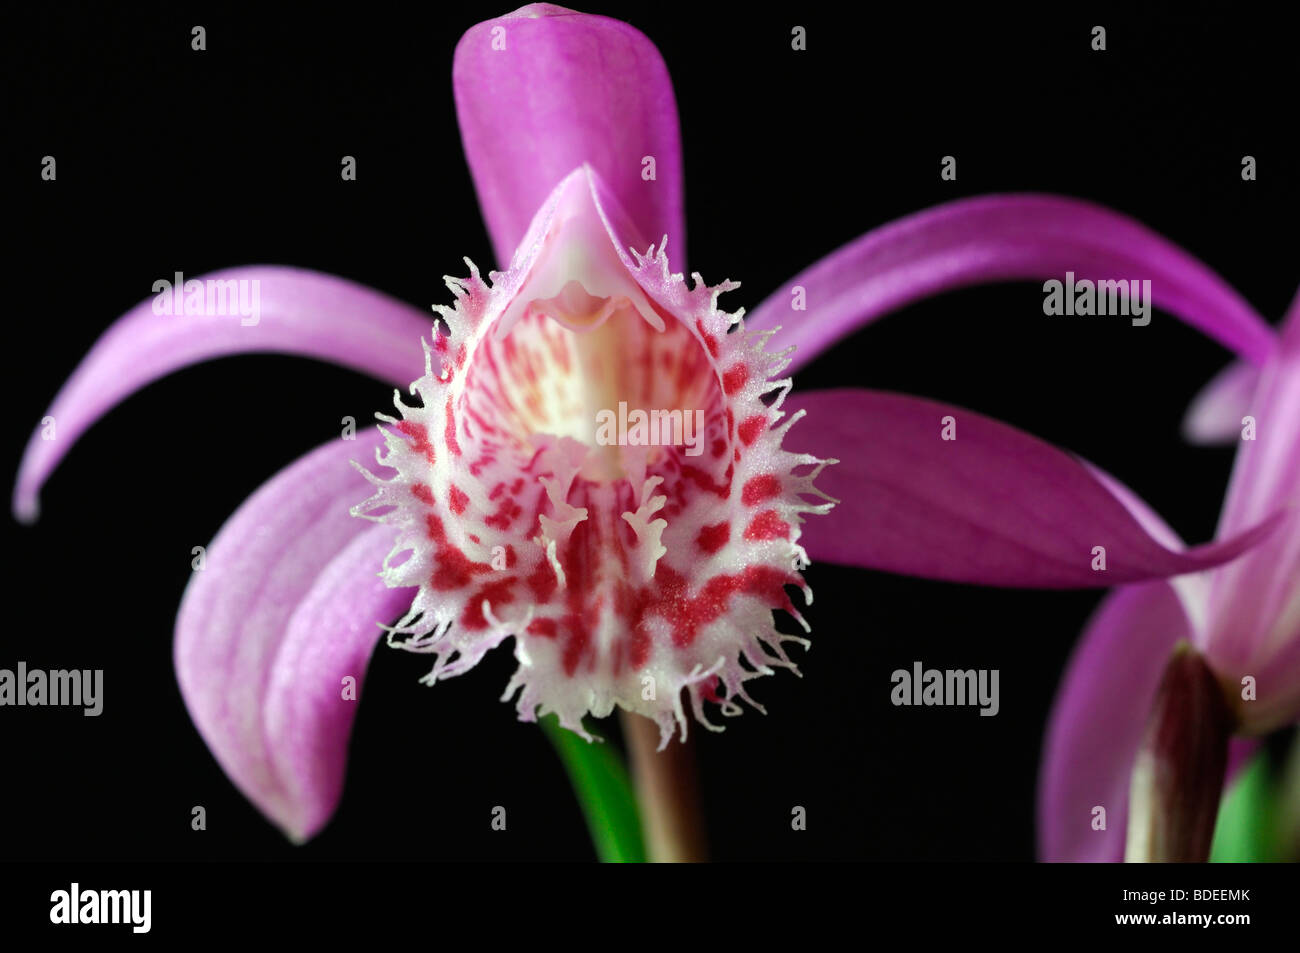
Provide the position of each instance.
(625, 573)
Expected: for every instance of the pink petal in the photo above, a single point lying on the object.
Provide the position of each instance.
(568, 89)
(1255, 603)
(1002, 238)
(328, 638)
(1267, 470)
(289, 602)
(300, 312)
(1215, 414)
(994, 506)
(1098, 721)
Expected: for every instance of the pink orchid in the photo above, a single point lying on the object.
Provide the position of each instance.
(625, 574)
(1242, 619)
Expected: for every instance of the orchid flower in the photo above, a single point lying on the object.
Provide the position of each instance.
(628, 576)
(1240, 624)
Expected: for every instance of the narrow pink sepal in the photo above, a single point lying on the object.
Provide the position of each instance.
(992, 506)
(299, 312)
(1001, 238)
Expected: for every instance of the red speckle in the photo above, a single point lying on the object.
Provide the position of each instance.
(418, 438)
(705, 482)
(759, 488)
(505, 514)
(751, 427)
(734, 379)
(543, 582)
(458, 500)
(454, 569)
(543, 627)
(422, 493)
(631, 604)
(577, 643)
(712, 538)
(767, 525)
(719, 447)
(450, 434)
(709, 340)
(433, 526)
(709, 689)
(497, 593)
(688, 615)
(639, 652)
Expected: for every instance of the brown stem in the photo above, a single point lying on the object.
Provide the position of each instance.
(667, 793)
(1178, 778)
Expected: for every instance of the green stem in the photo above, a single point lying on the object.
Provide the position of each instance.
(1245, 829)
(604, 794)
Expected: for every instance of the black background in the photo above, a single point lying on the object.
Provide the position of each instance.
(173, 160)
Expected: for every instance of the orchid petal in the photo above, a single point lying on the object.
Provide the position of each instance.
(1098, 722)
(310, 705)
(993, 506)
(1255, 604)
(1193, 588)
(269, 627)
(1002, 238)
(299, 312)
(1267, 470)
(544, 90)
(1215, 414)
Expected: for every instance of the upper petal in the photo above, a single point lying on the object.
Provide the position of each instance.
(287, 605)
(545, 90)
(992, 505)
(297, 312)
(1002, 238)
